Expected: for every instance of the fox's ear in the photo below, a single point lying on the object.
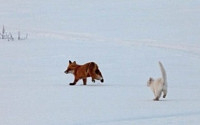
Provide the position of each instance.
(74, 62)
(70, 62)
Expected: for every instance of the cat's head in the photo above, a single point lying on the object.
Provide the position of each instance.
(149, 82)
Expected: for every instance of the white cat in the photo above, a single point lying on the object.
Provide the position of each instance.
(159, 85)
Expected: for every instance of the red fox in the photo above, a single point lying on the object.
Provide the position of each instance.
(83, 71)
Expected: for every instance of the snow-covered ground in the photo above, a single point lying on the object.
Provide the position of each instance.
(125, 38)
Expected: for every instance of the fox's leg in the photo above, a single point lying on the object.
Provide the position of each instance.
(92, 74)
(85, 81)
(93, 80)
(75, 81)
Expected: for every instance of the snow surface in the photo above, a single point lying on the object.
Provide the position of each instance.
(125, 38)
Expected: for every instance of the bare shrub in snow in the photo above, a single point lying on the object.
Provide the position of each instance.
(9, 36)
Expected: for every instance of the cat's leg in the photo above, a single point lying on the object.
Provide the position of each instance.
(164, 93)
(157, 95)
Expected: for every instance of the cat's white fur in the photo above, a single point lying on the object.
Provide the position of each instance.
(159, 85)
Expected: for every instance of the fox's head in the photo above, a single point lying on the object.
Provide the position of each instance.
(71, 67)
(150, 81)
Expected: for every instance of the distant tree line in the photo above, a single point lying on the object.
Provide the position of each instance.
(8, 35)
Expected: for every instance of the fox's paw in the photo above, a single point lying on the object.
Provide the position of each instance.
(71, 84)
(93, 80)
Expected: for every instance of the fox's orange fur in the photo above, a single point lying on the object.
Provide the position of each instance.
(83, 71)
